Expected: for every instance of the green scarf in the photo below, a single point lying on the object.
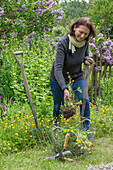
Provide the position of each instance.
(74, 43)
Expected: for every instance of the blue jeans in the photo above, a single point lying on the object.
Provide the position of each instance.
(58, 98)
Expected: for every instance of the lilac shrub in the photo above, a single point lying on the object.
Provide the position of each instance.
(39, 17)
(103, 49)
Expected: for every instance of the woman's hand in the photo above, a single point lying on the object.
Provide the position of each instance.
(66, 95)
(89, 61)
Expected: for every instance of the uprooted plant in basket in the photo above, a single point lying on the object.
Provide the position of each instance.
(69, 108)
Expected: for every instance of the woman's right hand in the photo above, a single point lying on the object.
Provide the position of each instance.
(67, 96)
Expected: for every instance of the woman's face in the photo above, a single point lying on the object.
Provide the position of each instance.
(81, 32)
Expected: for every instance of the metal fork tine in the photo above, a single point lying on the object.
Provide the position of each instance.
(47, 135)
(37, 136)
(42, 135)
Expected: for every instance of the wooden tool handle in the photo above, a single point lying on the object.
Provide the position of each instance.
(18, 53)
(66, 140)
(26, 83)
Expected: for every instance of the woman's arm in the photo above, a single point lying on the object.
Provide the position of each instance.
(59, 63)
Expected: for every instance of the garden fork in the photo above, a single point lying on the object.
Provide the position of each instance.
(37, 130)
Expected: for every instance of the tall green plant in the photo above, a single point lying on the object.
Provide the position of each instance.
(37, 65)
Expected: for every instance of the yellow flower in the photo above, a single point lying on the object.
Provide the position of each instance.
(30, 136)
(79, 141)
(85, 147)
(16, 133)
(90, 143)
(88, 149)
(0, 153)
(9, 148)
(16, 149)
(67, 72)
(25, 130)
(8, 144)
(72, 80)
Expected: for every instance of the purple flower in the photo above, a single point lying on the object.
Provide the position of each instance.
(0, 97)
(95, 52)
(107, 58)
(38, 13)
(53, 12)
(97, 69)
(110, 48)
(50, 2)
(14, 35)
(55, 3)
(39, 10)
(112, 44)
(42, 28)
(11, 101)
(110, 61)
(102, 56)
(46, 10)
(1, 12)
(100, 46)
(20, 25)
(57, 38)
(45, 36)
(45, 4)
(2, 107)
(92, 39)
(107, 53)
(53, 44)
(29, 40)
(31, 34)
(18, 9)
(108, 42)
(59, 18)
(3, 36)
(100, 35)
(92, 45)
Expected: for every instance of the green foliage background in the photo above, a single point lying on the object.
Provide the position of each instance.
(37, 65)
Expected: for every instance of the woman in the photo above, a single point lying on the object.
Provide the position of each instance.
(72, 51)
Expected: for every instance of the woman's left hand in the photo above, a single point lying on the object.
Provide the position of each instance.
(87, 61)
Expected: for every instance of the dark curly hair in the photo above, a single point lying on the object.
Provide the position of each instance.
(83, 21)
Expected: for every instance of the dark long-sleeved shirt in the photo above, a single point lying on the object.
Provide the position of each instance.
(66, 62)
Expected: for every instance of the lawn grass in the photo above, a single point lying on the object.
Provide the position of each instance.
(28, 159)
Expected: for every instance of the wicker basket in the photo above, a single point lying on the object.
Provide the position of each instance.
(80, 141)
